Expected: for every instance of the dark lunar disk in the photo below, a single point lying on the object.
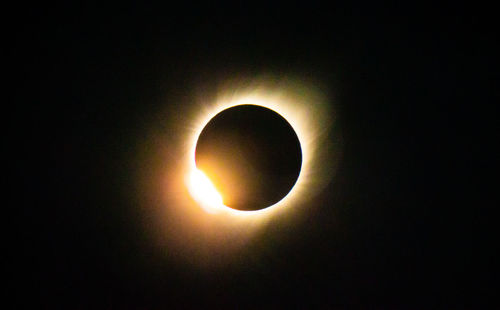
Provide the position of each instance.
(251, 154)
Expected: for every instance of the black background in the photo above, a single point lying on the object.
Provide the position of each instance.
(404, 223)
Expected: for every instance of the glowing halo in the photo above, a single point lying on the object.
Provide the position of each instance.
(194, 227)
(300, 122)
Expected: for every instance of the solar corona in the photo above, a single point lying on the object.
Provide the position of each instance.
(212, 185)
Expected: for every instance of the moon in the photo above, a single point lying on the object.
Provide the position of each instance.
(251, 155)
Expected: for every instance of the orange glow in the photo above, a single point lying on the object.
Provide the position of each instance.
(184, 214)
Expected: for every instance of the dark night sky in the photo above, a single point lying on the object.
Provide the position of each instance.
(404, 223)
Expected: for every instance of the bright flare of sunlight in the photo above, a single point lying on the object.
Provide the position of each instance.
(203, 191)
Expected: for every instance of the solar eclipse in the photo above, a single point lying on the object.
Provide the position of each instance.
(255, 151)
(224, 164)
